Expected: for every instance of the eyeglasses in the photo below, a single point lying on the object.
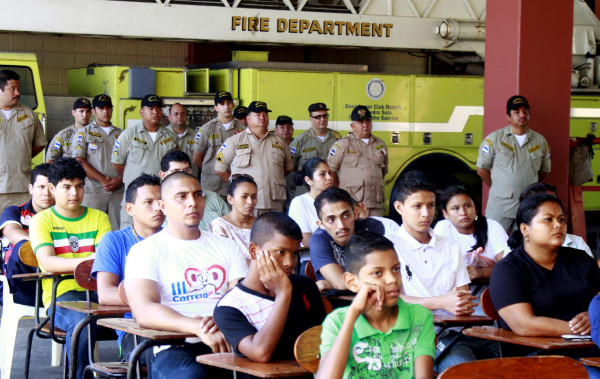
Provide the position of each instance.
(237, 176)
(321, 116)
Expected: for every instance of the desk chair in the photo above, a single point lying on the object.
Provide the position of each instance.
(548, 367)
(306, 349)
(44, 329)
(488, 306)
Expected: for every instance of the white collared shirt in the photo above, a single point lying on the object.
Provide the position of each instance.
(432, 269)
(577, 242)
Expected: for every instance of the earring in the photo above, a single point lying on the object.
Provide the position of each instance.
(526, 238)
(476, 217)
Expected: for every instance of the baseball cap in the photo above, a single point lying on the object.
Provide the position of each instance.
(516, 102)
(151, 100)
(360, 113)
(240, 112)
(82, 102)
(222, 96)
(317, 107)
(101, 101)
(258, 106)
(284, 120)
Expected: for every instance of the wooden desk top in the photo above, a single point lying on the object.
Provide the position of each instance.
(37, 275)
(275, 369)
(461, 320)
(128, 325)
(94, 309)
(594, 361)
(502, 335)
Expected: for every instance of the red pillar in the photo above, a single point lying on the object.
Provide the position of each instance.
(528, 52)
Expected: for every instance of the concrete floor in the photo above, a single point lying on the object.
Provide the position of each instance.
(40, 367)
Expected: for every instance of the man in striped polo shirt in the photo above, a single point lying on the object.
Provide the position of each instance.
(63, 236)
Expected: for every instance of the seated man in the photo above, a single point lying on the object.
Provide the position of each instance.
(14, 227)
(174, 279)
(63, 236)
(214, 205)
(337, 223)
(378, 335)
(141, 203)
(265, 313)
(434, 273)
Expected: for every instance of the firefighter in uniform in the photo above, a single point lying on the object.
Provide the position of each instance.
(21, 138)
(361, 161)
(92, 146)
(140, 148)
(315, 142)
(258, 153)
(509, 160)
(178, 118)
(209, 139)
(61, 143)
(240, 113)
(284, 129)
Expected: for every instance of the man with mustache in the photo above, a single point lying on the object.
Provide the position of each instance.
(509, 160)
(141, 147)
(337, 223)
(21, 138)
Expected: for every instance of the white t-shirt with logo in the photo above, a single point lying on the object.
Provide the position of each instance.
(192, 275)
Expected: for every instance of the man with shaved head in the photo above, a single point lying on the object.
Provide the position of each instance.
(175, 277)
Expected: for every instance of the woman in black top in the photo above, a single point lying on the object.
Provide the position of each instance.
(541, 288)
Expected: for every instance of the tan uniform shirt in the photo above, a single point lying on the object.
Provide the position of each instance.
(209, 139)
(93, 145)
(18, 135)
(61, 146)
(186, 144)
(139, 153)
(265, 160)
(308, 145)
(361, 168)
(512, 167)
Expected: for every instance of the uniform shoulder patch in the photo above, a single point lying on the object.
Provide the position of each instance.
(79, 137)
(293, 150)
(220, 157)
(337, 135)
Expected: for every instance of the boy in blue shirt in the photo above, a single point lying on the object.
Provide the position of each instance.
(378, 335)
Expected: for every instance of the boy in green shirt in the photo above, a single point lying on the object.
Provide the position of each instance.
(378, 335)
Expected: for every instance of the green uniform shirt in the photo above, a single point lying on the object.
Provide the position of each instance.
(139, 153)
(374, 354)
(93, 145)
(18, 135)
(512, 167)
(209, 139)
(61, 145)
(308, 145)
(186, 144)
(214, 207)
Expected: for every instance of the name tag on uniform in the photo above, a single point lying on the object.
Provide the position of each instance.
(277, 146)
(507, 146)
(167, 140)
(214, 136)
(140, 140)
(351, 152)
(24, 117)
(535, 148)
(243, 146)
(190, 142)
(309, 149)
(95, 134)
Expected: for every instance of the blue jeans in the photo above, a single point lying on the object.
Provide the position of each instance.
(465, 349)
(67, 320)
(180, 362)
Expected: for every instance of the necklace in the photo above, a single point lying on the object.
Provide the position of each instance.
(135, 234)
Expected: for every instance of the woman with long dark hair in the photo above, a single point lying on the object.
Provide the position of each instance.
(482, 241)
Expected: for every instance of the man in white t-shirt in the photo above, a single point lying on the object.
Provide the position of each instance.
(433, 271)
(174, 279)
